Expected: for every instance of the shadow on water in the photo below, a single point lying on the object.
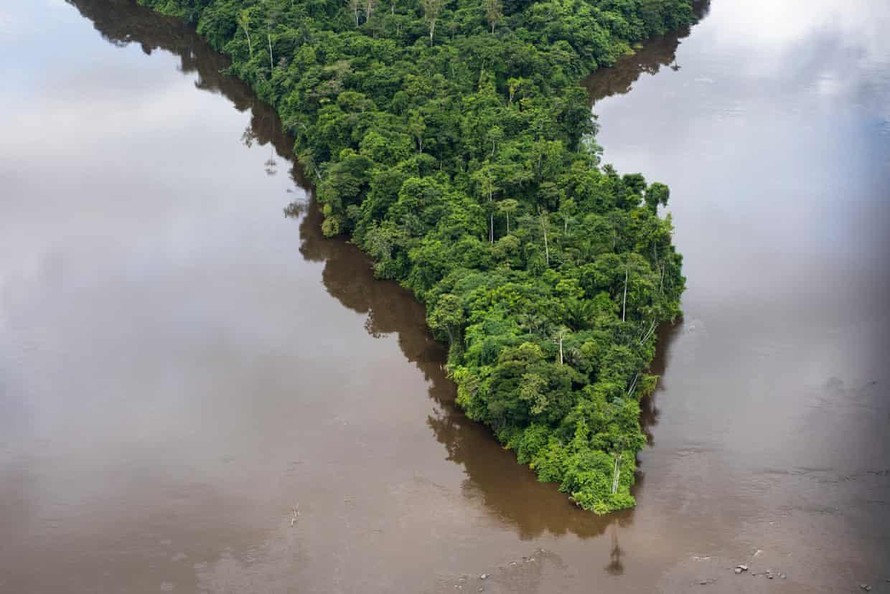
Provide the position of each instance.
(122, 22)
(649, 412)
(655, 54)
(508, 490)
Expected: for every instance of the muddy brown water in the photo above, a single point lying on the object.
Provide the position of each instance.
(200, 393)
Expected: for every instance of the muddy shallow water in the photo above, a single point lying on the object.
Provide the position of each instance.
(199, 392)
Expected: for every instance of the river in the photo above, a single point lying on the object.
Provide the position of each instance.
(200, 393)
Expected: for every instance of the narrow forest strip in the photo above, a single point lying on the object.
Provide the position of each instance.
(451, 140)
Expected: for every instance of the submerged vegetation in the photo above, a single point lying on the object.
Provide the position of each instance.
(451, 140)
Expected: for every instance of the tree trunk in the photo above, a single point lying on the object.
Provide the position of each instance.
(616, 474)
(624, 300)
(490, 217)
(633, 385)
(249, 44)
(546, 245)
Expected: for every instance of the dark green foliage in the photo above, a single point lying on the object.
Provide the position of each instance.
(451, 140)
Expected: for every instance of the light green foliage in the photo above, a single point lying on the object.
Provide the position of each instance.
(448, 315)
(450, 139)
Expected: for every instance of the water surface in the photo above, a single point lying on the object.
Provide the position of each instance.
(199, 393)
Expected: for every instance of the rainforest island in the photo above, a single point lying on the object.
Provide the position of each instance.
(451, 141)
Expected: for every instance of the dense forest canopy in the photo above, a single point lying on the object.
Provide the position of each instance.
(451, 140)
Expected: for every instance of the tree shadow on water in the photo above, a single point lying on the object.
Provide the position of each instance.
(649, 59)
(508, 490)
